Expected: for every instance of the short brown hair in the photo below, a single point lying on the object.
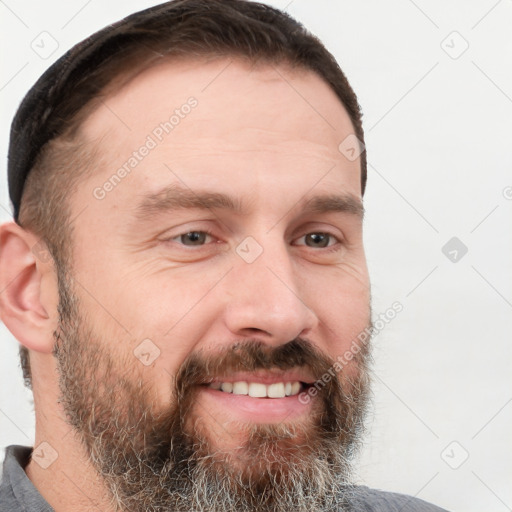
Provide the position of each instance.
(179, 28)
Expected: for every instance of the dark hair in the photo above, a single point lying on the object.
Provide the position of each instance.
(47, 156)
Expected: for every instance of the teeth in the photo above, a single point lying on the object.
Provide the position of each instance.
(240, 388)
(276, 390)
(227, 387)
(257, 389)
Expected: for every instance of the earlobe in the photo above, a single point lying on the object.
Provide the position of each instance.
(28, 288)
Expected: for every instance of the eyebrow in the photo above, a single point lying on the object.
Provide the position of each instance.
(176, 198)
(345, 203)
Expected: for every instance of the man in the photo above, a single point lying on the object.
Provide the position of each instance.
(186, 273)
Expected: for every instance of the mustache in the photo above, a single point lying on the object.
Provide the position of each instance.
(251, 355)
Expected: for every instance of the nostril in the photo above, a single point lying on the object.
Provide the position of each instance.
(252, 331)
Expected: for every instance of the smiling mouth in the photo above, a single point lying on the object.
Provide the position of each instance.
(259, 389)
(260, 396)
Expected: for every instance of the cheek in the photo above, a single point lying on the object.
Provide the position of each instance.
(346, 327)
(150, 298)
(149, 318)
(341, 301)
(167, 313)
(167, 303)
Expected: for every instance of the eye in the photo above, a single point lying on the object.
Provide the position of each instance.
(193, 238)
(319, 240)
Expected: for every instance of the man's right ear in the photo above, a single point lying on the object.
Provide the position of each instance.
(28, 288)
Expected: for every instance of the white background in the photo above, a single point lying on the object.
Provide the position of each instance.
(439, 140)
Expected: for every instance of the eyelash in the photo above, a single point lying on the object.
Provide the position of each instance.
(333, 246)
(329, 248)
(204, 231)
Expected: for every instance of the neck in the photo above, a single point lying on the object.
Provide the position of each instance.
(59, 467)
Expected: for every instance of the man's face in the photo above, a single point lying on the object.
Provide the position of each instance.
(229, 254)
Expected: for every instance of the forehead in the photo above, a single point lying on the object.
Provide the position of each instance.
(225, 87)
(217, 122)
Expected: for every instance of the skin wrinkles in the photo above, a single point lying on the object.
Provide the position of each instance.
(176, 197)
(202, 282)
(206, 306)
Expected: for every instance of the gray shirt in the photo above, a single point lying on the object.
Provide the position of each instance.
(18, 494)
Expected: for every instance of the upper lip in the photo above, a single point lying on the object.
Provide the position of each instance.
(267, 377)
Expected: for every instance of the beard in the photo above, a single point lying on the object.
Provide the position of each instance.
(156, 459)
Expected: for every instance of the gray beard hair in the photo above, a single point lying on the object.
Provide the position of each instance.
(165, 461)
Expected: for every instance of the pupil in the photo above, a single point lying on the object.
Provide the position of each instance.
(194, 238)
(318, 239)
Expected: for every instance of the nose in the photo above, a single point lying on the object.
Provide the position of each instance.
(266, 302)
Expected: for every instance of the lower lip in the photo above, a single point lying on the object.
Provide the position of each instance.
(256, 410)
